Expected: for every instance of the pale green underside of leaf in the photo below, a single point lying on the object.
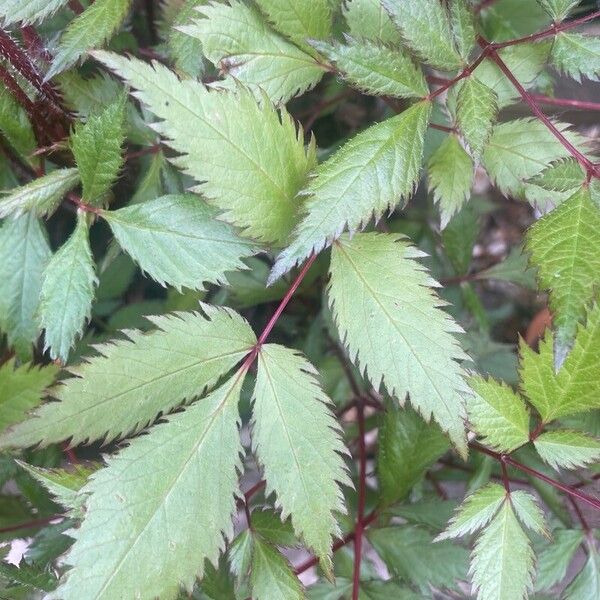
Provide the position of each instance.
(555, 558)
(236, 38)
(377, 69)
(177, 240)
(67, 292)
(185, 51)
(21, 389)
(502, 561)
(91, 29)
(476, 511)
(221, 136)
(498, 414)
(28, 11)
(271, 574)
(476, 109)
(450, 176)
(367, 19)
(577, 55)
(558, 9)
(371, 173)
(24, 253)
(576, 386)
(392, 324)
(562, 176)
(525, 61)
(123, 389)
(563, 245)
(407, 447)
(41, 196)
(425, 27)
(299, 20)
(519, 150)
(567, 449)
(168, 491)
(298, 442)
(96, 146)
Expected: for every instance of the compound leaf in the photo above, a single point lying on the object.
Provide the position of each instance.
(391, 322)
(132, 380)
(576, 55)
(169, 490)
(368, 20)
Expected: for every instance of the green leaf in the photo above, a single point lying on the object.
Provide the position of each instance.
(272, 576)
(425, 27)
(298, 443)
(67, 292)
(375, 68)
(390, 320)
(367, 19)
(21, 389)
(15, 125)
(476, 511)
(28, 11)
(576, 55)
(555, 558)
(41, 196)
(502, 561)
(519, 150)
(567, 449)
(498, 414)
(528, 511)
(558, 9)
(562, 176)
(96, 146)
(369, 175)
(131, 381)
(525, 61)
(299, 20)
(168, 491)
(450, 175)
(459, 238)
(514, 268)
(476, 109)
(177, 240)
(31, 577)
(63, 484)
(586, 584)
(433, 513)
(562, 246)
(185, 51)
(221, 136)
(24, 253)
(407, 448)
(236, 38)
(463, 27)
(269, 525)
(91, 29)
(409, 553)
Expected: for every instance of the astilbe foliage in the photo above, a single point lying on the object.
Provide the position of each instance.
(263, 269)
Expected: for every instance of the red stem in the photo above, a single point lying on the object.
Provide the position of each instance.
(589, 167)
(442, 128)
(571, 491)
(552, 30)
(76, 6)
(566, 102)
(29, 524)
(505, 480)
(362, 491)
(311, 562)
